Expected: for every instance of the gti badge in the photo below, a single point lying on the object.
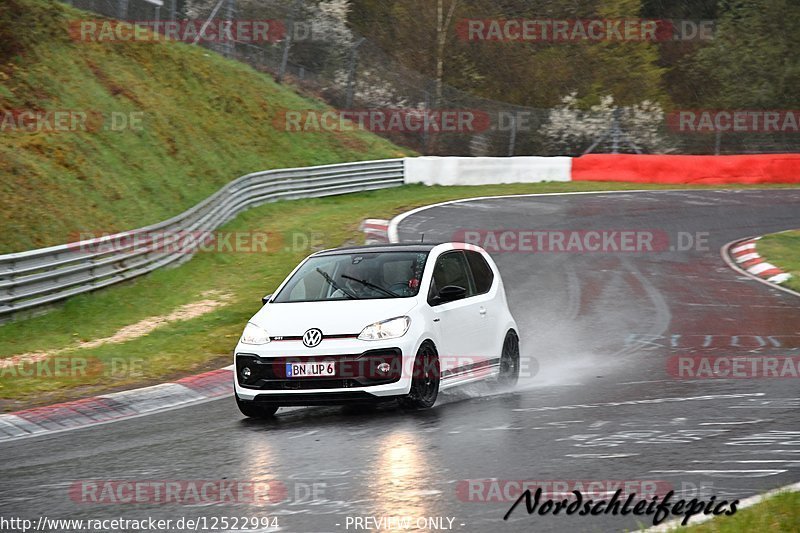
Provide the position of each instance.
(312, 337)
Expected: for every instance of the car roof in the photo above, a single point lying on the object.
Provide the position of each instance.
(378, 248)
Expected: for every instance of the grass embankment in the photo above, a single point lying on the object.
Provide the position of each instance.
(204, 120)
(189, 346)
(777, 514)
(783, 251)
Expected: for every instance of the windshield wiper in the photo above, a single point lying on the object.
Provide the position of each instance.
(372, 286)
(335, 285)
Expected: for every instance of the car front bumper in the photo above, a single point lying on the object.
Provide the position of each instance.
(357, 376)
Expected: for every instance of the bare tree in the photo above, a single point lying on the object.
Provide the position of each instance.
(442, 25)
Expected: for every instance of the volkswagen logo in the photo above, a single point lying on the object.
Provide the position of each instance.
(312, 337)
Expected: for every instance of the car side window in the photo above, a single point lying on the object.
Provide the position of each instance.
(450, 269)
(481, 272)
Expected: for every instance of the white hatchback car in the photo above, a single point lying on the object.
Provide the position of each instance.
(372, 323)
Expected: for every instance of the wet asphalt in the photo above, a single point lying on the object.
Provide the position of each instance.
(597, 401)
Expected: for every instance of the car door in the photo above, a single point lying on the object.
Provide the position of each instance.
(457, 322)
(490, 308)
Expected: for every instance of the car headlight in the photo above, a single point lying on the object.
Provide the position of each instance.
(386, 329)
(253, 334)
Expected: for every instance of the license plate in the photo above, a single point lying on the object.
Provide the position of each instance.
(303, 370)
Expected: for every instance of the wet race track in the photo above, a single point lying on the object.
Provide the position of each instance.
(598, 400)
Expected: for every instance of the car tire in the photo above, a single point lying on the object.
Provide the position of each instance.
(424, 379)
(509, 361)
(255, 409)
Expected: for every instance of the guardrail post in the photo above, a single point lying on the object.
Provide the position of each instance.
(92, 271)
(7, 276)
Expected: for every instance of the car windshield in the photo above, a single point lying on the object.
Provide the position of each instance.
(355, 276)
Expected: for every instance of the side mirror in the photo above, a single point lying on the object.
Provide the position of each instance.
(449, 293)
(265, 299)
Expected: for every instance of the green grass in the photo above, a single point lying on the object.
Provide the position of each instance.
(182, 348)
(783, 250)
(205, 121)
(778, 514)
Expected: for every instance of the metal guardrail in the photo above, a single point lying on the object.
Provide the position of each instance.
(36, 278)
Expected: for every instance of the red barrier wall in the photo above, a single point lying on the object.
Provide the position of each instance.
(699, 169)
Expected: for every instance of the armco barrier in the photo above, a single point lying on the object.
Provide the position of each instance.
(36, 278)
(685, 169)
(39, 277)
